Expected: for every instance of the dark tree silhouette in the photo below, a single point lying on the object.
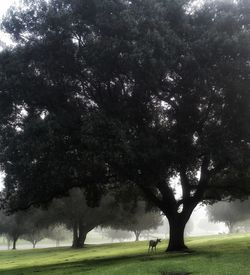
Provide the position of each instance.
(108, 93)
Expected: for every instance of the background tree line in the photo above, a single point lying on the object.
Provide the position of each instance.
(74, 214)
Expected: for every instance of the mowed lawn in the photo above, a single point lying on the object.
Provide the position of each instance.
(222, 254)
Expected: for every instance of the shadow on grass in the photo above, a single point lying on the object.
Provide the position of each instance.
(81, 266)
(73, 267)
(174, 273)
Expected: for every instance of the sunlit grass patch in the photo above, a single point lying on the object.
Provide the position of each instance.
(227, 254)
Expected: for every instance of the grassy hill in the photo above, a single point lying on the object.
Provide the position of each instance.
(223, 254)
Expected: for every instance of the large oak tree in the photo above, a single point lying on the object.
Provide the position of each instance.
(104, 93)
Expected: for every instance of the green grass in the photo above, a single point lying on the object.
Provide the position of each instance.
(228, 254)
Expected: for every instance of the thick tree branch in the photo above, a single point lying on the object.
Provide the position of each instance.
(170, 203)
(150, 194)
(204, 179)
(185, 183)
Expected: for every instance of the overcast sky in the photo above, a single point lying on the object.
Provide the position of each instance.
(4, 5)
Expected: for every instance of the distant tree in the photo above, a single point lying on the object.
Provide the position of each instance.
(134, 91)
(37, 223)
(229, 213)
(243, 226)
(137, 219)
(13, 226)
(6, 240)
(58, 233)
(116, 234)
(35, 236)
(74, 212)
(30, 225)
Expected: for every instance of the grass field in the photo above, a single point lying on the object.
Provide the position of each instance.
(223, 254)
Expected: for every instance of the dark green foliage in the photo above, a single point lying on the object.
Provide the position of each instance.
(131, 92)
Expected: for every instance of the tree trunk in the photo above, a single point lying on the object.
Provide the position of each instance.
(230, 227)
(176, 234)
(79, 236)
(8, 243)
(75, 235)
(137, 235)
(79, 242)
(14, 243)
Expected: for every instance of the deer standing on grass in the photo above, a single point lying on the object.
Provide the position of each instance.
(152, 245)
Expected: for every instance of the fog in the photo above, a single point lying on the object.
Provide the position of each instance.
(198, 225)
(202, 225)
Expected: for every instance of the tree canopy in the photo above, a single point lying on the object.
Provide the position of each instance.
(14, 226)
(110, 93)
(135, 218)
(229, 213)
(76, 215)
